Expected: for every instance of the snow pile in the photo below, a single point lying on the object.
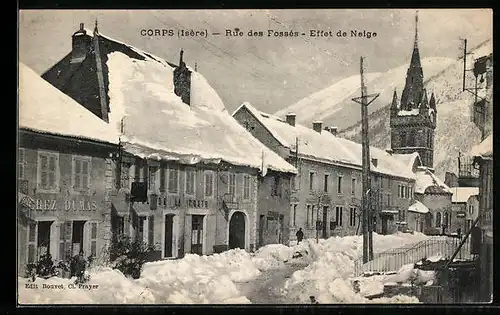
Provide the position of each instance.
(191, 280)
(43, 108)
(327, 277)
(426, 179)
(157, 123)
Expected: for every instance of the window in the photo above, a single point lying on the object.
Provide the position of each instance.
(352, 216)
(93, 239)
(338, 215)
(399, 191)
(446, 217)
(402, 138)
(173, 180)
(438, 219)
(339, 184)
(246, 187)
(411, 139)
(309, 216)
(402, 216)
(410, 192)
(313, 219)
(151, 230)
(21, 160)
(293, 215)
(276, 188)
(353, 186)
(190, 181)
(388, 203)
(293, 183)
(231, 185)
(471, 208)
(162, 179)
(152, 177)
(209, 184)
(48, 171)
(311, 180)
(325, 183)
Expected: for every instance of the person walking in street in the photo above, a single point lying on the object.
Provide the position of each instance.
(300, 235)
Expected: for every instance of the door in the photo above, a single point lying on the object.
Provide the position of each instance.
(43, 239)
(169, 229)
(325, 218)
(77, 238)
(384, 226)
(262, 224)
(197, 234)
(237, 231)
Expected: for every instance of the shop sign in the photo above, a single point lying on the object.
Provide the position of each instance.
(67, 205)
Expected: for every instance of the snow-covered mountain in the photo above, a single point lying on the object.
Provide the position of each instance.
(454, 132)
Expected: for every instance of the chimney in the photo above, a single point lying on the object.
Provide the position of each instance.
(317, 126)
(290, 119)
(333, 130)
(182, 80)
(375, 162)
(80, 45)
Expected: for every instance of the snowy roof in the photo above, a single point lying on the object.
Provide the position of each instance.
(157, 123)
(418, 207)
(43, 108)
(408, 159)
(462, 194)
(325, 147)
(484, 149)
(426, 179)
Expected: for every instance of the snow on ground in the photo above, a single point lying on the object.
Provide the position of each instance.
(191, 280)
(218, 278)
(328, 276)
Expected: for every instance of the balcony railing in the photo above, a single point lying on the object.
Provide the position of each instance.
(394, 259)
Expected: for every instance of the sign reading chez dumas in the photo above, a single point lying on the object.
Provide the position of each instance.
(67, 205)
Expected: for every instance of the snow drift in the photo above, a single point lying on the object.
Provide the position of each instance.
(328, 276)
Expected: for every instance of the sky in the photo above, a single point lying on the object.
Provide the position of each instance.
(269, 72)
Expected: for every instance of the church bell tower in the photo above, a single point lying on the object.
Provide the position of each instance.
(413, 117)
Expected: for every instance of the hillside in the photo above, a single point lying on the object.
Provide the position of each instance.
(333, 105)
(455, 131)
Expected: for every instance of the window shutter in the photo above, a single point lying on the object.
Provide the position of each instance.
(52, 172)
(86, 238)
(32, 242)
(340, 223)
(151, 225)
(93, 239)
(162, 178)
(62, 235)
(54, 228)
(76, 173)
(85, 174)
(68, 238)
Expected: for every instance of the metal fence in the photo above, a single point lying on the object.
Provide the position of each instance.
(394, 259)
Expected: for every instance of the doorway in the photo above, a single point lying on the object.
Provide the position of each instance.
(384, 225)
(197, 234)
(43, 237)
(325, 219)
(77, 237)
(262, 224)
(237, 231)
(169, 233)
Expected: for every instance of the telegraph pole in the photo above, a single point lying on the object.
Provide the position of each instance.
(367, 216)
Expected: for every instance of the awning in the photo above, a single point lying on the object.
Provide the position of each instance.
(418, 207)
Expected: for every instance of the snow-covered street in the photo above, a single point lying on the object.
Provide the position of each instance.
(275, 274)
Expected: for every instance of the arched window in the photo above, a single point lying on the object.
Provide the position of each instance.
(446, 218)
(438, 219)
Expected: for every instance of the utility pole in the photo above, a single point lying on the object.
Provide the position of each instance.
(367, 216)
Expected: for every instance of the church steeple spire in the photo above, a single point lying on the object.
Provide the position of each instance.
(413, 90)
